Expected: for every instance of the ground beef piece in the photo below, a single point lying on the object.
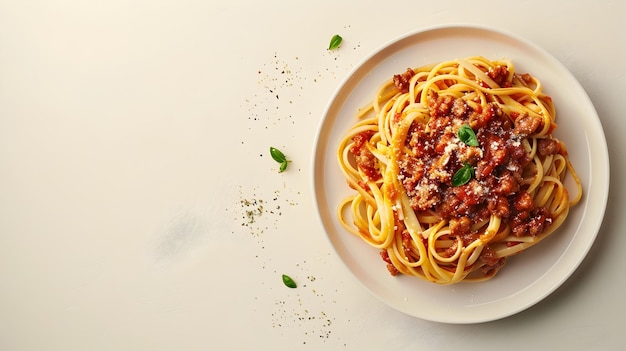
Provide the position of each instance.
(499, 206)
(390, 267)
(500, 75)
(491, 270)
(526, 125)
(489, 257)
(402, 81)
(440, 106)
(531, 223)
(480, 119)
(547, 147)
(459, 108)
(507, 184)
(460, 225)
(524, 202)
(365, 160)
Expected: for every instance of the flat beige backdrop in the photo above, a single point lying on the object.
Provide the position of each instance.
(140, 209)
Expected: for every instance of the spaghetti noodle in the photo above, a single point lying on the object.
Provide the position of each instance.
(455, 169)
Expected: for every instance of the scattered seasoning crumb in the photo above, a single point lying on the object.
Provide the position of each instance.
(278, 77)
(283, 82)
(307, 312)
(259, 213)
(253, 209)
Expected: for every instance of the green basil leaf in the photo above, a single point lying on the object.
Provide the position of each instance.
(277, 155)
(289, 282)
(467, 135)
(283, 167)
(335, 41)
(463, 175)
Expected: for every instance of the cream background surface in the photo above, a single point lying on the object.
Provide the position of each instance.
(140, 209)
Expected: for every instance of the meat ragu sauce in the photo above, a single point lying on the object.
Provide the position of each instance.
(436, 153)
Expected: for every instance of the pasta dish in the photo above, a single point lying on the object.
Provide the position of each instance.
(454, 169)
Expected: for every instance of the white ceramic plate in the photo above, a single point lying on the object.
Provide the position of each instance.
(527, 278)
